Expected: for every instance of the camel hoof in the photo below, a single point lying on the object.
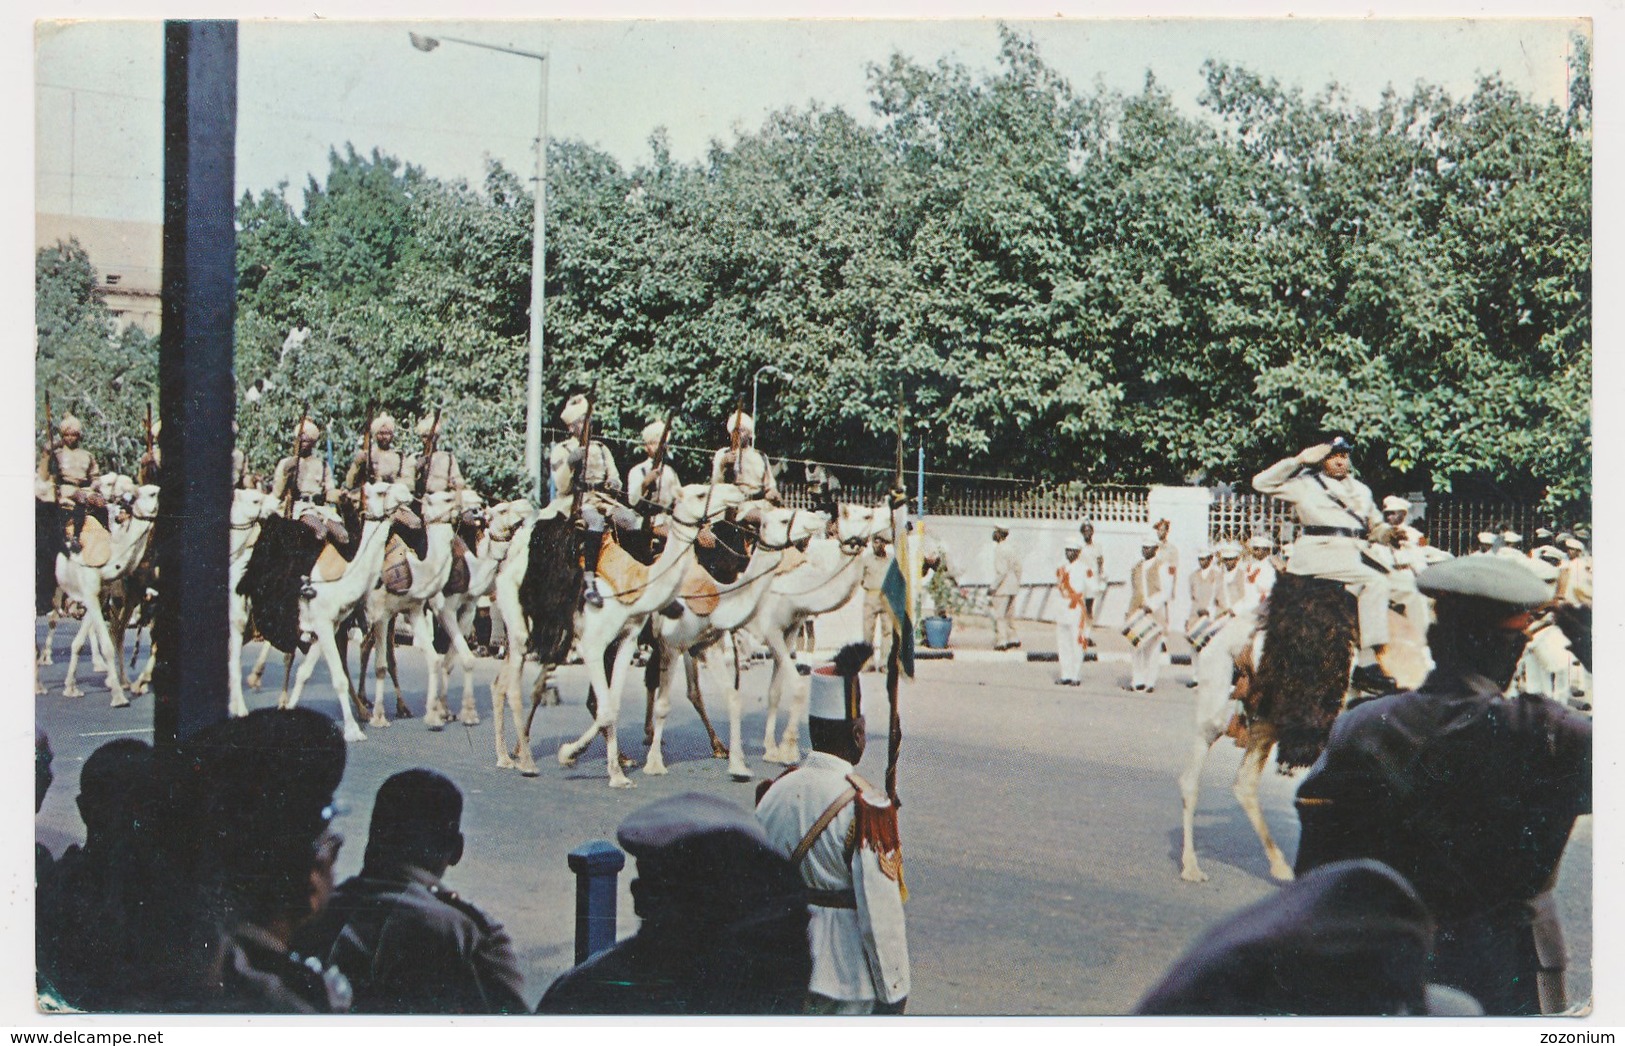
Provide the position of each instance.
(565, 758)
(655, 769)
(378, 721)
(621, 782)
(531, 772)
(353, 734)
(741, 775)
(469, 717)
(254, 683)
(119, 701)
(436, 724)
(719, 750)
(282, 702)
(402, 712)
(1192, 874)
(72, 691)
(1281, 873)
(39, 688)
(138, 689)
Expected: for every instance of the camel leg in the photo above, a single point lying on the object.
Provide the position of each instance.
(329, 649)
(1260, 745)
(234, 658)
(289, 697)
(691, 675)
(660, 708)
(593, 647)
(1189, 786)
(45, 657)
(784, 670)
(737, 768)
(468, 714)
(256, 675)
(379, 633)
(144, 681)
(70, 683)
(434, 712)
(401, 709)
(115, 666)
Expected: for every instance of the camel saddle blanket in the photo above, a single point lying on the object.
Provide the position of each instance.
(699, 591)
(397, 574)
(624, 575)
(793, 558)
(457, 583)
(330, 565)
(96, 544)
(1142, 627)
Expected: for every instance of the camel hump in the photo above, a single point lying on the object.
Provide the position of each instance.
(624, 575)
(96, 543)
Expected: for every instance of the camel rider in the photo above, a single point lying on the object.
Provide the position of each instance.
(381, 462)
(311, 482)
(72, 470)
(1339, 519)
(576, 469)
(435, 469)
(652, 488)
(239, 463)
(741, 464)
(152, 462)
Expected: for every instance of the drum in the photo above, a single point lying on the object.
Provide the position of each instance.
(1142, 627)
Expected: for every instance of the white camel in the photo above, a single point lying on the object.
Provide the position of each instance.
(596, 627)
(249, 508)
(455, 611)
(320, 614)
(706, 636)
(823, 583)
(84, 584)
(116, 490)
(1219, 687)
(429, 576)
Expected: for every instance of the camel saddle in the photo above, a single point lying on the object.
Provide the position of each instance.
(459, 580)
(625, 575)
(397, 572)
(95, 543)
(330, 565)
(699, 591)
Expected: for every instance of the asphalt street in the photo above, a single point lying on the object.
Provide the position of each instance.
(1040, 823)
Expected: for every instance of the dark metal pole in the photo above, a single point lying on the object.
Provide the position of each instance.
(598, 867)
(196, 388)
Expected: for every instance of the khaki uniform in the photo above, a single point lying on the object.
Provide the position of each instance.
(754, 475)
(664, 489)
(600, 472)
(875, 569)
(1205, 585)
(76, 470)
(312, 487)
(1325, 504)
(388, 466)
(1006, 587)
(438, 473)
(856, 930)
(1147, 590)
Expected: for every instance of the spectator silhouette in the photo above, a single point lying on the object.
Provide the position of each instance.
(724, 921)
(1350, 939)
(406, 942)
(84, 925)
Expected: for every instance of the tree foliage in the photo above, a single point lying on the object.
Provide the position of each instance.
(1064, 284)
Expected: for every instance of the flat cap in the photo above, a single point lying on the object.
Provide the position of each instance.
(1260, 541)
(1229, 550)
(1494, 578)
(1150, 539)
(1073, 543)
(680, 819)
(1341, 444)
(1394, 503)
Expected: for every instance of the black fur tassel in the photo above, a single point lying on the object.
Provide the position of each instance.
(849, 660)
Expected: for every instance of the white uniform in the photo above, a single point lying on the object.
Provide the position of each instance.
(1072, 582)
(1343, 505)
(1205, 584)
(1148, 589)
(1260, 580)
(859, 953)
(1006, 587)
(1094, 561)
(754, 475)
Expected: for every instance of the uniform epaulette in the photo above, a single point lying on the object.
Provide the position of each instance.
(468, 908)
(874, 827)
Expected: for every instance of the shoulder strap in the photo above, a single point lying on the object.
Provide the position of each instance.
(830, 813)
(1339, 501)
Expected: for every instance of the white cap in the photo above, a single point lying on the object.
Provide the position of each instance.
(1002, 524)
(1512, 538)
(1230, 550)
(653, 431)
(1486, 538)
(1149, 539)
(1260, 541)
(1392, 503)
(833, 691)
(574, 410)
(1204, 551)
(1576, 544)
(1073, 543)
(741, 421)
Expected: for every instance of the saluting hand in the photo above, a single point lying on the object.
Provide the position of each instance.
(1316, 454)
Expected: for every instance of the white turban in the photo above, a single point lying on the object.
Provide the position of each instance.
(653, 431)
(741, 421)
(574, 410)
(310, 429)
(382, 421)
(430, 424)
(70, 424)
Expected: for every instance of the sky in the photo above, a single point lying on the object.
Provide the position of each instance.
(306, 87)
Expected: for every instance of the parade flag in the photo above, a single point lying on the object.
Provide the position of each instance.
(894, 588)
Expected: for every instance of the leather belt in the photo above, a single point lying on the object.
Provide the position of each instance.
(1332, 532)
(833, 898)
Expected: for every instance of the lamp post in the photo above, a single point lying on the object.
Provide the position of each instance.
(756, 379)
(538, 260)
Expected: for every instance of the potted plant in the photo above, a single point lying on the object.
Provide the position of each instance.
(946, 601)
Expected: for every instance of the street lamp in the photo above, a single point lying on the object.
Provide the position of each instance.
(538, 260)
(765, 368)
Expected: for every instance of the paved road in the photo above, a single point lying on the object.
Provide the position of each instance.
(1041, 823)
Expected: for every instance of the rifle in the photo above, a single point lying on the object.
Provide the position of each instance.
(894, 662)
(366, 446)
(53, 469)
(432, 445)
(651, 482)
(735, 439)
(579, 482)
(292, 489)
(147, 462)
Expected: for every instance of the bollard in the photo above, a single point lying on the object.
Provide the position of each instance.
(598, 867)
